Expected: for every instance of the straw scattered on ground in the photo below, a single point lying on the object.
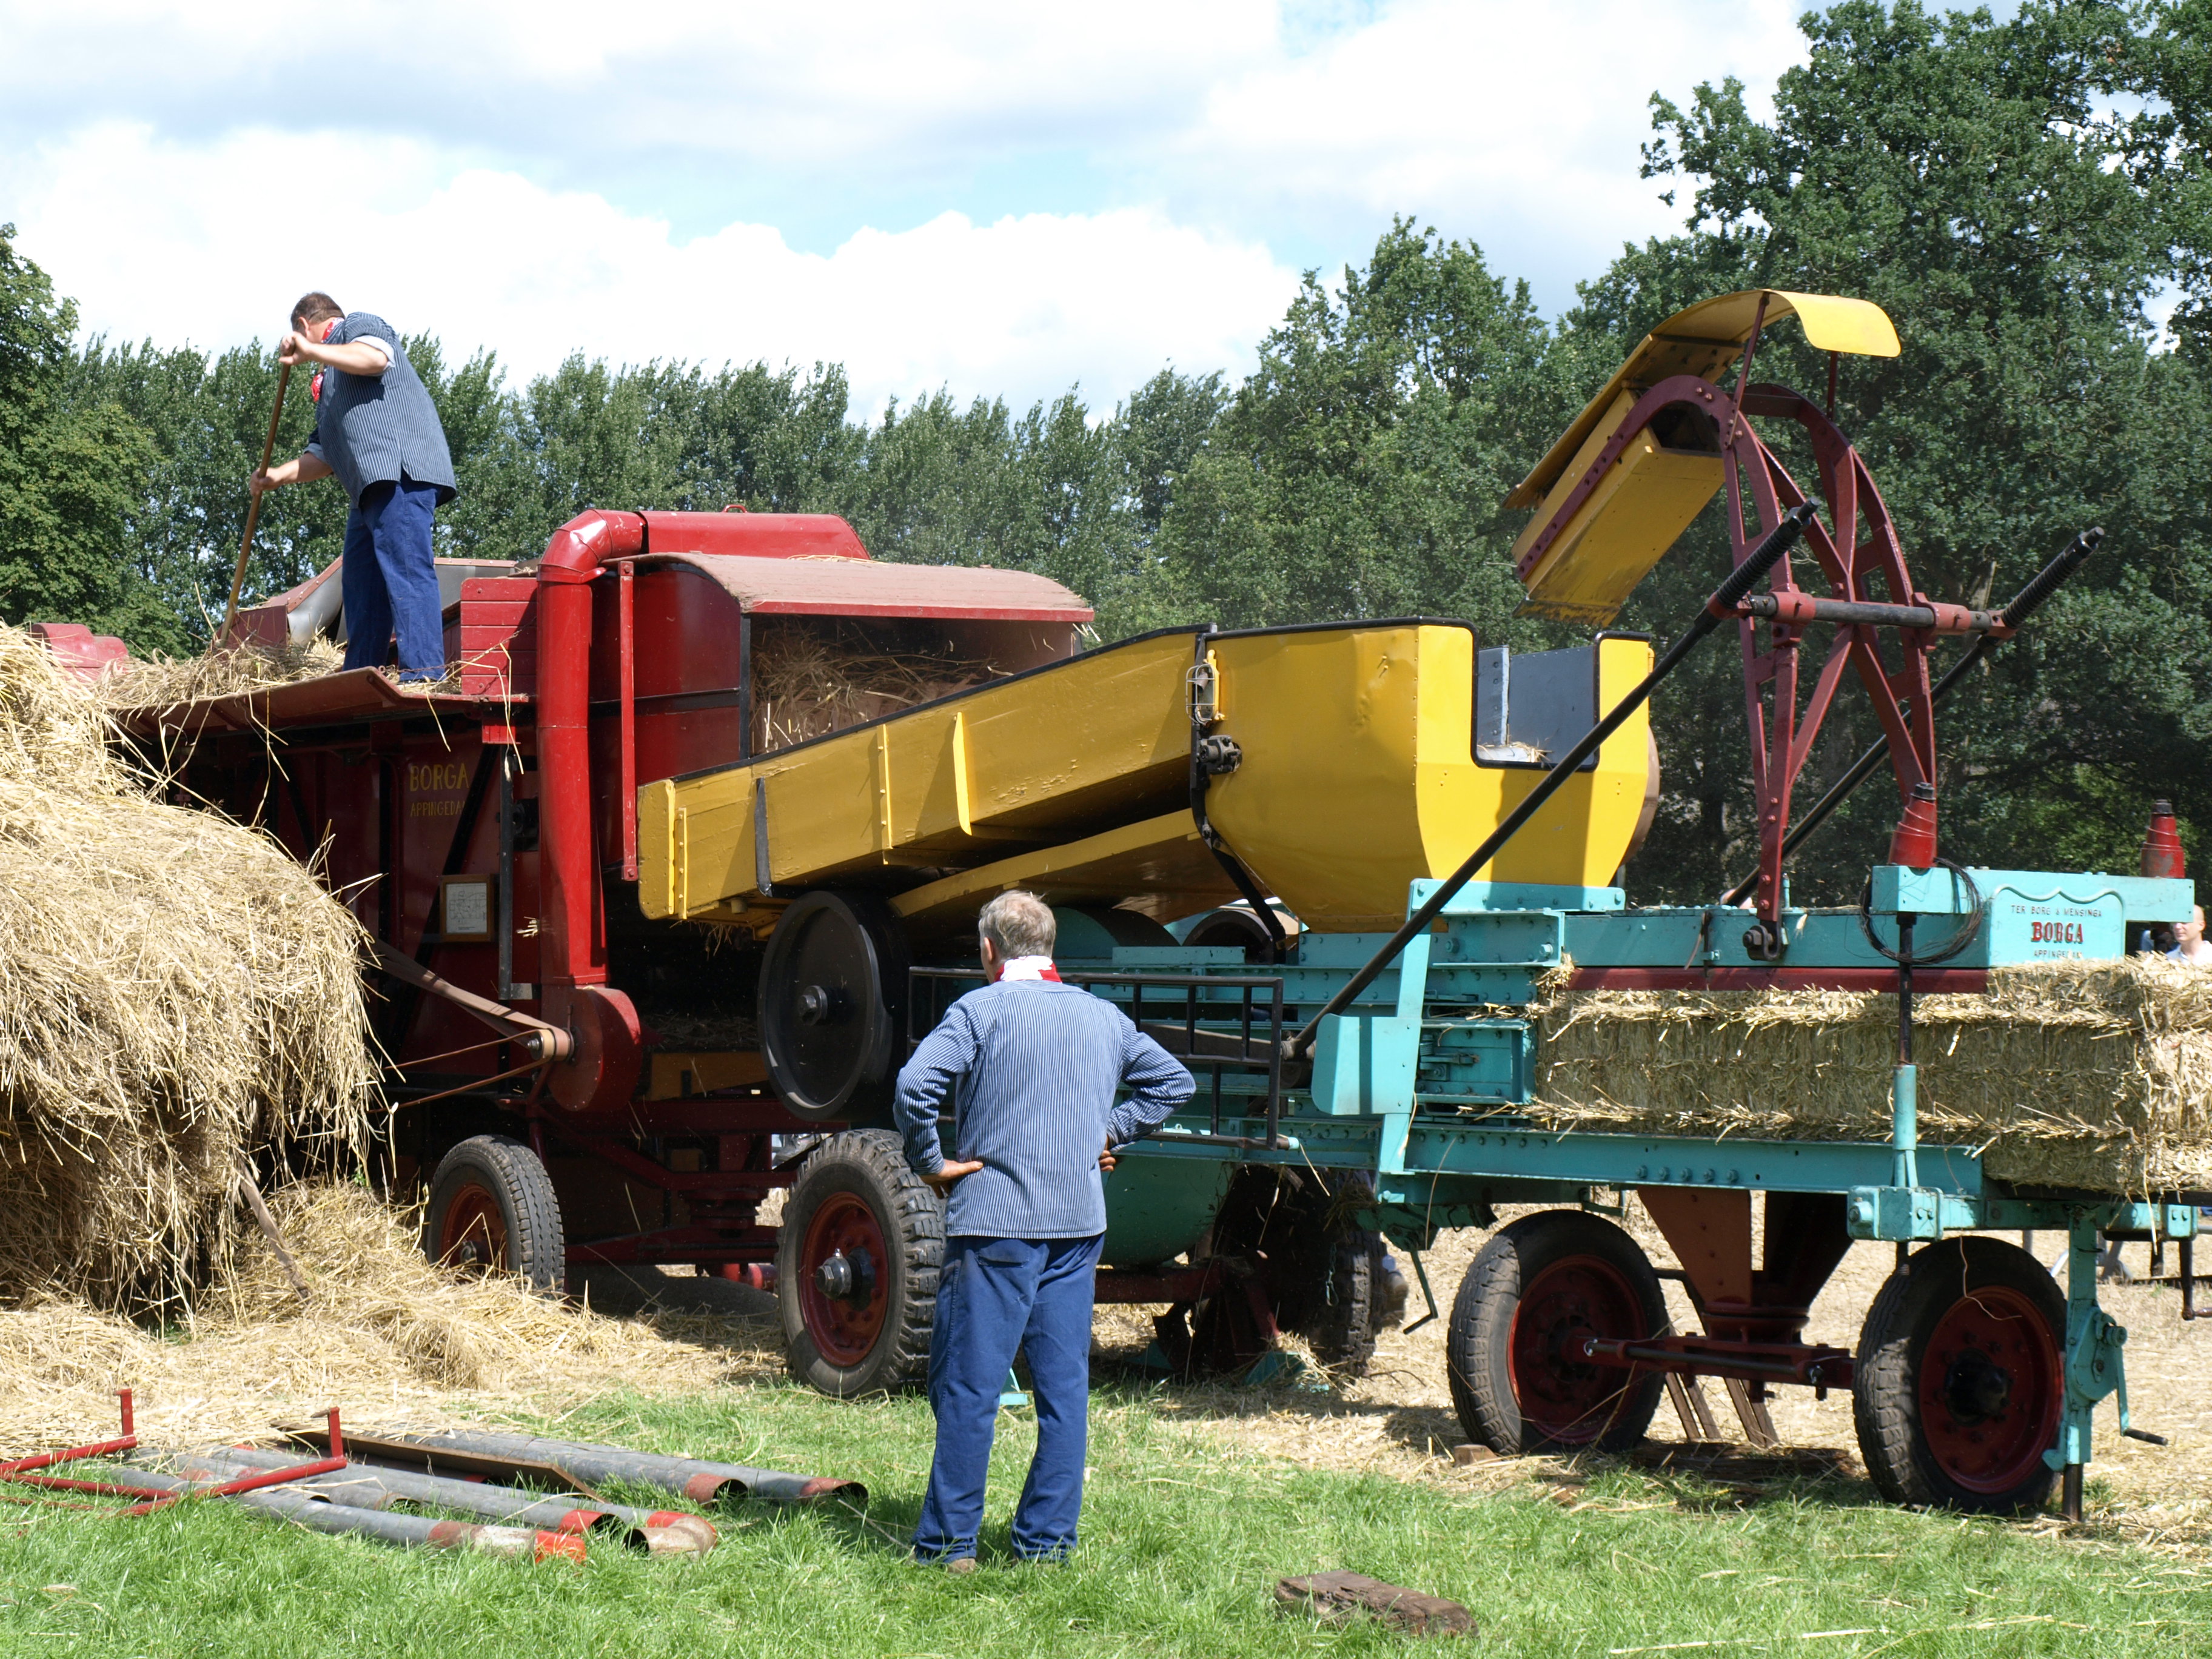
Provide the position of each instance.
(385, 1335)
(180, 996)
(2093, 1075)
(1398, 1421)
(812, 677)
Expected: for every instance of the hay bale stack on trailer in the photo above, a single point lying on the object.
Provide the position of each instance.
(2090, 1075)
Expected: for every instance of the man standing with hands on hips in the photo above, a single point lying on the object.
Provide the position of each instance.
(377, 431)
(1030, 1068)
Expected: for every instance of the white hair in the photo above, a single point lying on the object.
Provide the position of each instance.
(1017, 924)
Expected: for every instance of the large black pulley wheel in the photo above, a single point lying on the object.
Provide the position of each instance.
(1540, 1288)
(857, 1258)
(493, 1209)
(1960, 1380)
(832, 999)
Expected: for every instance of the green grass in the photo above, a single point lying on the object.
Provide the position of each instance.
(1181, 1546)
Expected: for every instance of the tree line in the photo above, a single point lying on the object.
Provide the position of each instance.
(2027, 199)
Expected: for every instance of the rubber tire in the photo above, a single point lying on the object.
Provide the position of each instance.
(1340, 1327)
(1885, 1399)
(1323, 1276)
(872, 1164)
(529, 1208)
(1477, 1346)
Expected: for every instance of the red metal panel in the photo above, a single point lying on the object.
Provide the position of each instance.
(754, 535)
(626, 797)
(853, 587)
(498, 640)
(1925, 981)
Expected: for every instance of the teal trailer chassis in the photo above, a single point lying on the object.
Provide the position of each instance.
(1415, 1098)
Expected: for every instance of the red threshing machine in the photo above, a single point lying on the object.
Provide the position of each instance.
(575, 1083)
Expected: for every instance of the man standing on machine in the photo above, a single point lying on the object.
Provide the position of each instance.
(1031, 1068)
(377, 431)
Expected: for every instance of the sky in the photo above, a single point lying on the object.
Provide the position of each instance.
(996, 199)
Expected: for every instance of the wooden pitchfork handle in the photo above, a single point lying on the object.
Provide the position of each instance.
(253, 507)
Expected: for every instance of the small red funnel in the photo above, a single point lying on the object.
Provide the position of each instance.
(2161, 853)
(1914, 844)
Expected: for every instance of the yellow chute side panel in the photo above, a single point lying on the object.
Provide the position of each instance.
(1583, 833)
(1639, 509)
(1703, 341)
(1033, 761)
(1324, 807)
(694, 843)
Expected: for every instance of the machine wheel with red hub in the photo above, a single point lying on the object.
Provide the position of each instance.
(857, 1260)
(1961, 1378)
(1538, 1288)
(493, 1209)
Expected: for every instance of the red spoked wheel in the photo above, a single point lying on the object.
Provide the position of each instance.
(857, 1262)
(840, 1279)
(1537, 1290)
(1565, 1398)
(1961, 1378)
(493, 1209)
(472, 1232)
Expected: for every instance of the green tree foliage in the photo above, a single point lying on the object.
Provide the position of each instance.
(1988, 184)
(1361, 471)
(68, 463)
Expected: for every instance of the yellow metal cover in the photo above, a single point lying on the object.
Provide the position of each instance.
(1358, 776)
(1703, 341)
(1640, 507)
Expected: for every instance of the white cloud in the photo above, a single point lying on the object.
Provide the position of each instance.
(1024, 306)
(1000, 195)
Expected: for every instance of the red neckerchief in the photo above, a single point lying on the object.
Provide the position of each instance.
(1049, 972)
(315, 383)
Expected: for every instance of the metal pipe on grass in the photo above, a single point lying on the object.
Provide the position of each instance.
(702, 1482)
(366, 1486)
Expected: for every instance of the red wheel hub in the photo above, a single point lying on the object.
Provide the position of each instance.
(1561, 1395)
(842, 1262)
(1991, 1390)
(473, 1232)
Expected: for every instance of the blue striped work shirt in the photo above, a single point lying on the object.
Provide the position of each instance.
(1031, 1068)
(379, 429)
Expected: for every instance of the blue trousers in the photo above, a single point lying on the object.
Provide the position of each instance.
(390, 581)
(997, 1295)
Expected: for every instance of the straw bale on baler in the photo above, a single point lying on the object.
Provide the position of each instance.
(177, 996)
(2089, 1075)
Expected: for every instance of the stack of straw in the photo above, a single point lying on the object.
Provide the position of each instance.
(179, 996)
(811, 678)
(2094, 1076)
(158, 681)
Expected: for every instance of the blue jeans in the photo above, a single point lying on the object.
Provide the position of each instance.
(997, 1295)
(389, 577)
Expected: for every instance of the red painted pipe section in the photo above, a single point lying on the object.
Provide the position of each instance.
(573, 922)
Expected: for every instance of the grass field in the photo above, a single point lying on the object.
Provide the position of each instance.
(1182, 1540)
